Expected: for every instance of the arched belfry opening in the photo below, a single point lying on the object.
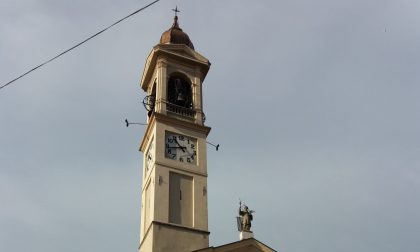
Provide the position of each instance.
(179, 91)
(150, 100)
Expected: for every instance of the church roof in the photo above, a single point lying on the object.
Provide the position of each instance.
(175, 35)
(246, 245)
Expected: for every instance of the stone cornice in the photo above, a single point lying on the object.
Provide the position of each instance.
(171, 225)
(179, 52)
(170, 120)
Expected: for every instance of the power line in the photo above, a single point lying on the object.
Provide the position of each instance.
(77, 45)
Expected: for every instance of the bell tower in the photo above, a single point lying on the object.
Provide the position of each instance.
(174, 215)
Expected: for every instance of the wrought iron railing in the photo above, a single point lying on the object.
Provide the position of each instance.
(187, 112)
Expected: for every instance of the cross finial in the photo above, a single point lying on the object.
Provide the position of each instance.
(176, 11)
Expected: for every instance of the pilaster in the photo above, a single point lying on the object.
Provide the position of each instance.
(161, 90)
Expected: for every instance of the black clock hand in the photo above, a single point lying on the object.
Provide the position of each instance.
(182, 147)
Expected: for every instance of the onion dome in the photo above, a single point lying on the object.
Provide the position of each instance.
(175, 35)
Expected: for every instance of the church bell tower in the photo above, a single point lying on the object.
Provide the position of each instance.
(174, 215)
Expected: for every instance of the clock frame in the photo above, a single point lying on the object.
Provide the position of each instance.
(181, 148)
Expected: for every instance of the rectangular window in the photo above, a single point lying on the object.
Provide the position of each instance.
(180, 199)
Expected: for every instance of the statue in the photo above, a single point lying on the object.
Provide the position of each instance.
(244, 221)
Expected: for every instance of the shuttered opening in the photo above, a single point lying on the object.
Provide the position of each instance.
(180, 199)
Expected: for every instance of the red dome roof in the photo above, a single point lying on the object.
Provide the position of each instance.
(175, 35)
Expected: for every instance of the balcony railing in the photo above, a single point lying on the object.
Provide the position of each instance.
(187, 112)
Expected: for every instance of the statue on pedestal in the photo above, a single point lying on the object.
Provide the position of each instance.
(244, 221)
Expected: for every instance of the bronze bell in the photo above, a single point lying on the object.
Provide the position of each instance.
(180, 98)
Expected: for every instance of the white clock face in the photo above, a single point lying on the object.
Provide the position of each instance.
(149, 155)
(181, 148)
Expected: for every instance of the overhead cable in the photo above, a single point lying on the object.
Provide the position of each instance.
(77, 45)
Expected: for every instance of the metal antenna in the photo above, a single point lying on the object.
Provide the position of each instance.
(127, 123)
(215, 146)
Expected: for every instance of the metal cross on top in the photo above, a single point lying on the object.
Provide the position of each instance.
(176, 11)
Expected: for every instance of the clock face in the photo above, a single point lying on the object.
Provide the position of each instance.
(181, 148)
(149, 156)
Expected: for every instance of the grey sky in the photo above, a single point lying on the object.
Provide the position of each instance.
(314, 103)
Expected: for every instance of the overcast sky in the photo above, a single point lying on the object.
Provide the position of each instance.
(315, 105)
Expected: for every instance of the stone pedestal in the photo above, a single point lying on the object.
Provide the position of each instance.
(245, 235)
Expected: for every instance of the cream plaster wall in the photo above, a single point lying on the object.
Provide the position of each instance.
(173, 238)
